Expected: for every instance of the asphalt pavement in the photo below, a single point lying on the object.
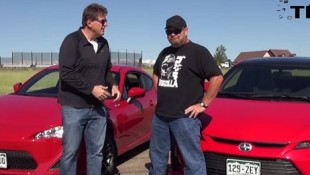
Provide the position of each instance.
(135, 162)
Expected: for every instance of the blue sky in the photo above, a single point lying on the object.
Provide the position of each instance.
(138, 25)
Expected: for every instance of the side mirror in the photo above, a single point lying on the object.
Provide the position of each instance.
(135, 92)
(16, 86)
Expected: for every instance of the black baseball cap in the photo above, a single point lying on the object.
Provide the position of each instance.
(176, 22)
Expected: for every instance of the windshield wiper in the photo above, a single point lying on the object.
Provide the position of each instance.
(281, 97)
(234, 95)
(264, 96)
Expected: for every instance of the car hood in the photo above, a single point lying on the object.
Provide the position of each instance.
(258, 120)
(24, 116)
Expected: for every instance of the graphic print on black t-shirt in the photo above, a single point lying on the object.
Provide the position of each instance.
(170, 68)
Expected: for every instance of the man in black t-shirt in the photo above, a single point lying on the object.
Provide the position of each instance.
(180, 72)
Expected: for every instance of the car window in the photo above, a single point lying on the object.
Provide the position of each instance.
(46, 84)
(135, 79)
(268, 80)
(116, 77)
(233, 79)
(147, 82)
(43, 84)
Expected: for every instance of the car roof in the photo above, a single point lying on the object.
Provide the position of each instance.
(285, 61)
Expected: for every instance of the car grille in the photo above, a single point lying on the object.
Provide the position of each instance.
(19, 160)
(216, 165)
(237, 142)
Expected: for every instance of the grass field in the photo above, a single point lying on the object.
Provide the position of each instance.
(10, 76)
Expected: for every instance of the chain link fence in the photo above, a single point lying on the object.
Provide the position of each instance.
(45, 59)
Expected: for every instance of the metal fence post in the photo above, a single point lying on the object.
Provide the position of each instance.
(117, 57)
(134, 58)
(126, 56)
(31, 58)
(22, 58)
(41, 58)
(51, 58)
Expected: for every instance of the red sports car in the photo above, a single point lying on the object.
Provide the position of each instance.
(30, 122)
(259, 124)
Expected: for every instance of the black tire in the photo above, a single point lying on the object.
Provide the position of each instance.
(109, 156)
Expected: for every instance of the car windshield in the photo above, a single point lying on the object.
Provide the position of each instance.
(267, 83)
(46, 84)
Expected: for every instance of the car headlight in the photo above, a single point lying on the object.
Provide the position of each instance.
(55, 132)
(302, 145)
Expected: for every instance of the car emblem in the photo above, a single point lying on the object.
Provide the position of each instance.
(245, 147)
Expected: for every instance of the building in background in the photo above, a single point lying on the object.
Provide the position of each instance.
(264, 53)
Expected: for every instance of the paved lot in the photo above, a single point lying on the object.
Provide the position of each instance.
(135, 162)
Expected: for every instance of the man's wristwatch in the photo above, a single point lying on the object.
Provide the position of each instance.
(202, 104)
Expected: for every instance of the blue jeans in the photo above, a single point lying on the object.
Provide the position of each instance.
(186, 133)
(87, 123)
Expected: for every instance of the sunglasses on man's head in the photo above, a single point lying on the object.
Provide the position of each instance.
(103, 21)
(173, 31)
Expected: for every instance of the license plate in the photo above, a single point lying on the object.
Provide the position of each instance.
(3, 160)
(242, 167)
